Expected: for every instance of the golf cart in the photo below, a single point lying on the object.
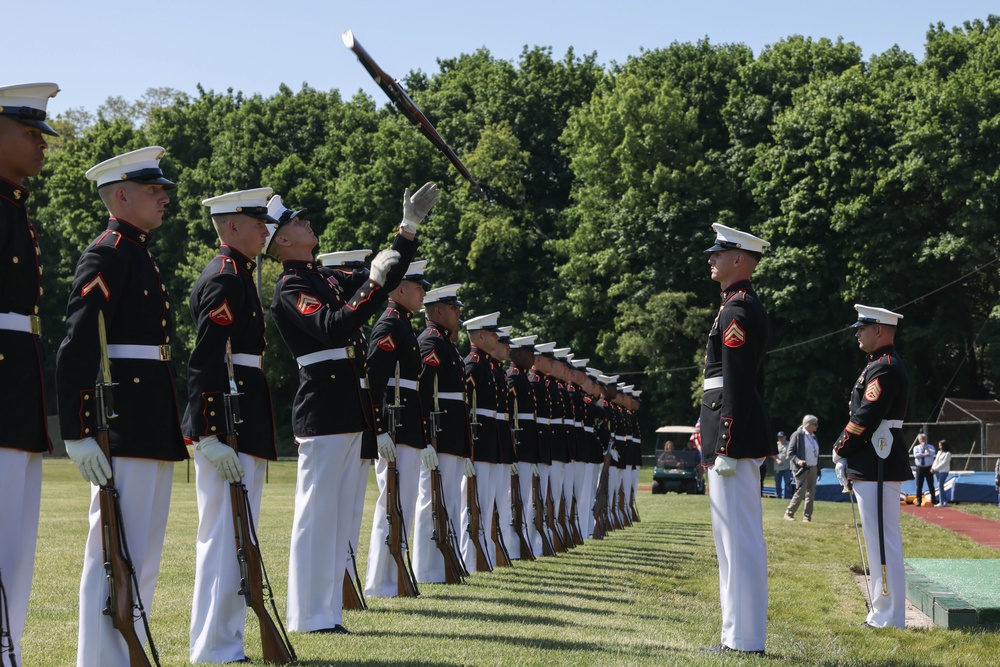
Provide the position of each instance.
(677, 467)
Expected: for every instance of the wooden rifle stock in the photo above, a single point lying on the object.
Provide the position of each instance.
(574, 527)
(406, 583)
(567, 533)
(540, 522)
(602, 522)
(444, 536)
(352, 597)
(503, 556)
(558, 539)
(406, 106)
(475, 525)
(254, 586)
(621, 515)
(517, 509)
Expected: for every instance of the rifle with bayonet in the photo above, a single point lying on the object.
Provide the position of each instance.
(353, 593)
(567, 534)
(517, 503)
(124, 601)
(602, 522)
(406, 582)
(444, 534)
(406, 106)
(574, 526)
(472, 502)
(541, 524)
(558, 537)
(255, 587)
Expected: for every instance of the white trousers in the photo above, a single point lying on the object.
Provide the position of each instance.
(505, 511)
(364, 468)
(738, 527)
(428, 563)
(144, 489)
(21, 494)
(887, 610)
(325, 494)
(528, 515)
(487, 479)
(380, 581)
(589, 490)
(579, 470)
(218, 612)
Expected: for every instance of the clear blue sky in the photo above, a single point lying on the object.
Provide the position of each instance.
(94, 50)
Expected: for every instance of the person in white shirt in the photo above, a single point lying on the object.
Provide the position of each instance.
(941, 467)
(803, 450)
(923, 457)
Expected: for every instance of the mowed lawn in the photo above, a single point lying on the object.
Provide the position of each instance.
(644, 596)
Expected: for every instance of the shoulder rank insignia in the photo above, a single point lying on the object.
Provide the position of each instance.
(432, 359)
(222, 315)
(98, 282)
(734, 336)
(873, 390)
(308, 304)
(387, 344)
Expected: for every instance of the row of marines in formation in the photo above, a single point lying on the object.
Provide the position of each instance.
(529, 452)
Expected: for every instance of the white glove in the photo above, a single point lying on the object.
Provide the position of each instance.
(513, 468)
(841, 468)
(382, 264)
(429, 458)
(725, 466)
(386, 447)
(223, 457)
(534, 469)
(614, 455)
(470, 470)
(90, 460)
(417, 206)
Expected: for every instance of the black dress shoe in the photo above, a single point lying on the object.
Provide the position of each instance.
(335, 630)
(866, 624)
(722, 648)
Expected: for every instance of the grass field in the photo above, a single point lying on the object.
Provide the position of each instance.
(644, 596)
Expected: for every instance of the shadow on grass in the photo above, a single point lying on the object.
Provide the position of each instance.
(547, 644)
(513, 617)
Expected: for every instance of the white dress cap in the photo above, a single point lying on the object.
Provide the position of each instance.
(344, 257)
(727, 238)
(445, 294)
(276, 209)
(545, 348)
(593, 372)
(486, 322)
(637, 392)
(26, 103)
(252, 203)
(561, 352)
(523, 342)
(580, 363)
(140, 166)
(870, 315)
(607, 380)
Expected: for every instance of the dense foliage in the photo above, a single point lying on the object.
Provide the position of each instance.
(875, 181)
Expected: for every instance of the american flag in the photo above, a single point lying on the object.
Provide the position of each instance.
(696, 436)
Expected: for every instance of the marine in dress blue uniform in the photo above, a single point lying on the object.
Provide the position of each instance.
(25, 434)
(442, 369)
(521, 401)
(393, 346)
(226, 308)
(870, 452)
(319, 315)
(540, 380)
(736, 436)
(118, 275)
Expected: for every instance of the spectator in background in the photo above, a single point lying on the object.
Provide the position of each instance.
(923, 457)
(782, 469)
(803, 453)
(996, 480)
(941, 467)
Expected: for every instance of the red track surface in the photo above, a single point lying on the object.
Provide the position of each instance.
(976, 528)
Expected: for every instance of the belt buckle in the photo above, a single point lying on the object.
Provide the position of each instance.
(350, 352)
(35, 323)
(164, 352)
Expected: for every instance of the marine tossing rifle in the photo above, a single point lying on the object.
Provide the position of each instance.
(254, 584)
(406, 106)
(123, 603)
(406, 582)
(443, 533)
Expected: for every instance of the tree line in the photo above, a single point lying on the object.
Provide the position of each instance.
(876, 181)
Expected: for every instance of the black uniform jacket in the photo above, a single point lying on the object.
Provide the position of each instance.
(521, 400)
(621, 433)
(225, 306)
(440, 359)
(118, 276)
(734, 420)
(394, 343)
(605, 427)
(481, 381)
(507, 454)
(635, 447)
(317, 310)
(543, 410)
(594, 419)
(557, 412)
(22, 410)
(880, 393)
(574, 434)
